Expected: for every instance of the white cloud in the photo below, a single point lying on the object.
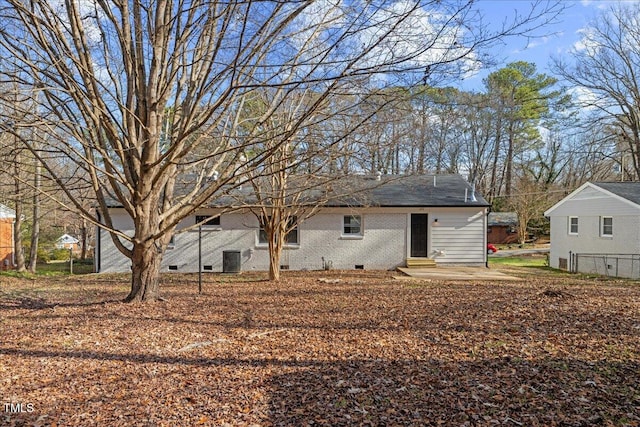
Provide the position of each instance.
(584, 97)
(317, 17)
(599, 4)
(587, 42)
(403, 33)
(420, 37)
(540, 41)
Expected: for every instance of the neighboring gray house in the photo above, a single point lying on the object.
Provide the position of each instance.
(596, 229)
(397, 218)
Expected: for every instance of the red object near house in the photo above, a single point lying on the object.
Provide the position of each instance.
(491, 249)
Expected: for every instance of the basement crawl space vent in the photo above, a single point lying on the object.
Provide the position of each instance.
(173, 267)
(562, 263)
(359, 267)
(207, 267)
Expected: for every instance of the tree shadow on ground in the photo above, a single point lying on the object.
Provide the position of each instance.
(377, 392)
(484, 392)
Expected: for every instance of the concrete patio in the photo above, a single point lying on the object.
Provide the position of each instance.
(455, 273)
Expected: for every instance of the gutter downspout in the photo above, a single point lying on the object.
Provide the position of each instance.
(486, 222)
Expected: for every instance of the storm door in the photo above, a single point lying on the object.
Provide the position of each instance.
(419, 235)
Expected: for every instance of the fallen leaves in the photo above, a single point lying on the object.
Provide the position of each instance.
(347, 349)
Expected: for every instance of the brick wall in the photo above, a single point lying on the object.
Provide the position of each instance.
(6, 242)
(459, 238)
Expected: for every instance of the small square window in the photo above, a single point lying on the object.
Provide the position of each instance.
(573, 225)
(352, 225)
(207, 220)
(606, 226)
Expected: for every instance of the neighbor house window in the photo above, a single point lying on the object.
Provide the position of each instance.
(291, 238)
(606, 226)
(352, 225)
(573, 225)
(208, 220)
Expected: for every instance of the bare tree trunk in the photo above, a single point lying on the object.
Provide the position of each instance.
(17, 238)
(17, 225)
(145, 273)
(494, 191)
(275, 251)
(509, 163)
(276, 234)
(35, 229)
(83, 239)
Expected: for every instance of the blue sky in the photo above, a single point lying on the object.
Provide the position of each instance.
(552, 40)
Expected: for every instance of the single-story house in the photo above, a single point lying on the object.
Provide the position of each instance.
(67, 241)
(396, 218)
(7, 218)
(596, 229)
(502, 227)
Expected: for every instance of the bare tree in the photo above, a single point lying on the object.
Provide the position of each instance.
(14, 156)
(292, 184)
(145, 97)
(605, 68)
(529, 200)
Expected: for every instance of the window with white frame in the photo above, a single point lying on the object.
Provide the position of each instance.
(573, 225)
(291, 238)
(606, 226)
(352, 225)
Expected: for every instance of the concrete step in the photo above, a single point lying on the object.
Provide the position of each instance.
(421, 263)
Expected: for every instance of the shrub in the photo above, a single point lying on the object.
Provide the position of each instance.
(59, 254)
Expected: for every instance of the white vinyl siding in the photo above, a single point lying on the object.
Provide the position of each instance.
(620, 234)
(459, 237)
(592, 200)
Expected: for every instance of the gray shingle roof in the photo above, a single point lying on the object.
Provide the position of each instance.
(502, 218)
(628, 190)
(390, 191)
(412, 191)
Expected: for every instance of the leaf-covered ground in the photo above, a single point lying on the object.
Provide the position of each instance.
(354, 349)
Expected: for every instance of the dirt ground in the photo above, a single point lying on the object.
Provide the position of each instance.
(316, 349)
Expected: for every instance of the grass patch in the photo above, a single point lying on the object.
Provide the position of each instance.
(54, 269)
(527, 261)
